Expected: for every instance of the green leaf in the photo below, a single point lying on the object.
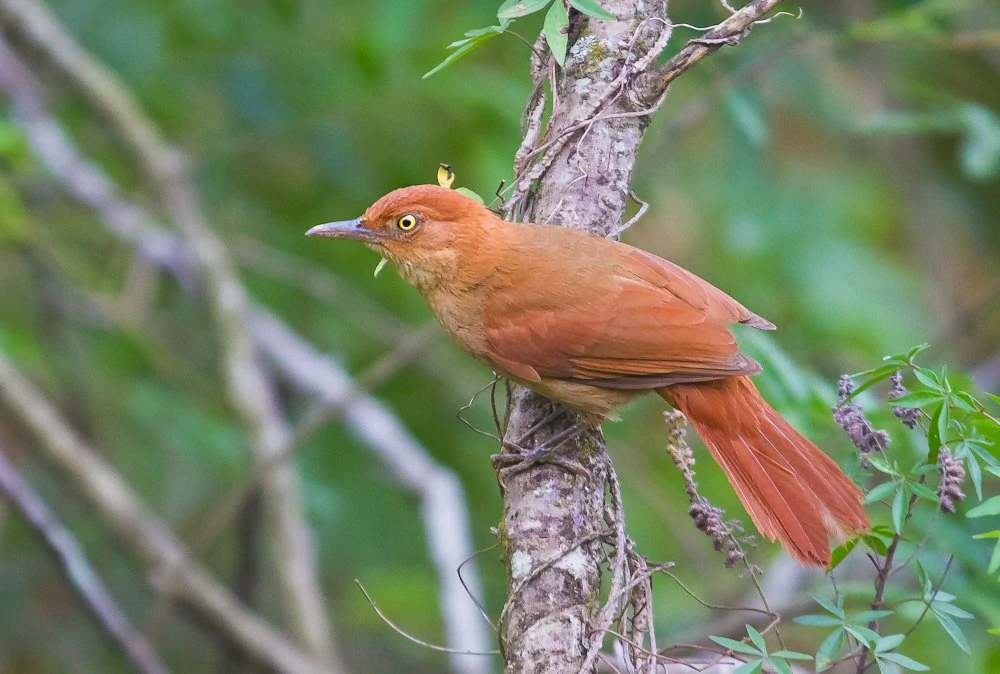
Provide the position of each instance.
(476, 39)
(868, 616)
(735, 646)
(791, 655)
(469, 193)
(880, 464)
(986, 508)
(934, 434)
(862, 634)
(923, 491)
(780, 666)
(954, 631)
(881, 491)
(513, 9)
(841, 551)
(925, 580)
(916, 399)
(556, 29)
(756, 639)
(929, 378)
(836, 609)
(817, 620)
(940, 606)
(877, 373)
(994, 565)
(994, 398)
(899, 509)
(752, 667)
(888, 642)
(903, 661)
(592, 8)
(829, 649)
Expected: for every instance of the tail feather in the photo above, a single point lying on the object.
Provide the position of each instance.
(792, 491)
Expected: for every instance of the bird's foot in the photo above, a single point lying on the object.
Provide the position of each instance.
(515, 459)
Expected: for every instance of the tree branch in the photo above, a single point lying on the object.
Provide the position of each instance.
(251, 389)
(79, 572)
(149, 538)
(653, 84)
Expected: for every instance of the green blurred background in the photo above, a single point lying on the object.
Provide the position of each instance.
(838, 174)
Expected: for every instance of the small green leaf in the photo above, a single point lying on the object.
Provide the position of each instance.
(868, 616)
(934, 434)
(888, 642)
(780, 666)
(836, 609)
(513, 9)
(928, 378)
(923, 491)
(994, 398)
(954, 631)
(791, 655)
(817, 620)
(916, 399)
(735, 646)
(752, 667)
(994, 560)
(881, 491)
(592, 8)
(463, 47)
(881, 465)
(829, 649)
(861, 633)
(986, 508)
(899, 509)
(903, 661)
(469, 193)
(948, 608)
(840, 552)
(556, 29)
(756, 639)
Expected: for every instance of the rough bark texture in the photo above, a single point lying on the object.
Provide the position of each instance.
(553, 517)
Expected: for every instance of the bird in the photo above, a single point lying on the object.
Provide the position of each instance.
(593, 323)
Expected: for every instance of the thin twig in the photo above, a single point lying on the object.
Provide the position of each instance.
(81, 575)
(426, 644)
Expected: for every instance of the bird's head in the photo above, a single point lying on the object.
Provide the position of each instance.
(423, 229)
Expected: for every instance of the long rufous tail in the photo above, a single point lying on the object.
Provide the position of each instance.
(792, 490)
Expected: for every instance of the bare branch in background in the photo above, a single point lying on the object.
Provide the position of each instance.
(79, 572)
(442, 503)
(147, 536)
(443, 506)
(653, 83)
(251, 389)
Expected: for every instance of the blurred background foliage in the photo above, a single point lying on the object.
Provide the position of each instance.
(839, 174)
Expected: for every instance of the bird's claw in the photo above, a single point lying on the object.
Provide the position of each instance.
(514, 462)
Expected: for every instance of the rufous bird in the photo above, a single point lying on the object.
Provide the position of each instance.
(593, 323)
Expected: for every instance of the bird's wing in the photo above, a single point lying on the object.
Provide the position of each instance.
(642, 323)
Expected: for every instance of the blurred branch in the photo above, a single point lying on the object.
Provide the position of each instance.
(149, 538)
(442, 503)
(443, 506)
(79, 572)
(251, 389)
(729, 32)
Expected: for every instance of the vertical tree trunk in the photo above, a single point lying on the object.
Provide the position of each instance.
(554, 518)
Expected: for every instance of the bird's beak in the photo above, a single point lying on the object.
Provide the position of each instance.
(345, 229)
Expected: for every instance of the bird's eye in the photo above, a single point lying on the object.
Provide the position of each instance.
(406, 222)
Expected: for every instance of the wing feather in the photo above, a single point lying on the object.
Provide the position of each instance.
(641, 323)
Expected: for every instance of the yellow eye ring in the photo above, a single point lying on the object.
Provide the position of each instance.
(406, 222)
